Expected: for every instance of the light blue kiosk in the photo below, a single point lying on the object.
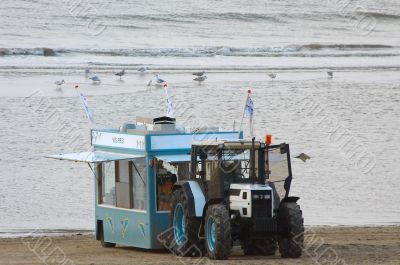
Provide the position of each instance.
(135, 168)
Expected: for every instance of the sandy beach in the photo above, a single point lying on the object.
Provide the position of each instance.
(324, 245)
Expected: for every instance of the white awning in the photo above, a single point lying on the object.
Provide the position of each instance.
(94, 156)
(174, 158)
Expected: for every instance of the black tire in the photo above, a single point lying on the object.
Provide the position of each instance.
(291, 223)
(260, 246)
(191, 246)
(218, 215)
(102, 242)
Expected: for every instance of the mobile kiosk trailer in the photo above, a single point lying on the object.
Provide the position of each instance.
(135, 168)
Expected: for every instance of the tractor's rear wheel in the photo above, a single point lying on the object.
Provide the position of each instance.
(184, 228)
(218, 232)
(260, 246)
(291, 222)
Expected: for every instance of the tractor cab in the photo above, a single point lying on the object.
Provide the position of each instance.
(220, 164)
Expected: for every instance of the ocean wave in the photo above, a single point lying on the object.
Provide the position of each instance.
(379, 15)
(309, 50)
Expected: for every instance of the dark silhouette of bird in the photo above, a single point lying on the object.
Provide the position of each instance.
(199, 73)
(120, 74)
(303, 157)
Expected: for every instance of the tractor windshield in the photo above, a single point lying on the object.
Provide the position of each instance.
(236, 166)
(278, 169)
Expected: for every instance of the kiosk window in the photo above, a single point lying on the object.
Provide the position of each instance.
(166, 175)
(138, 169)
(122, 183)
(108, 183)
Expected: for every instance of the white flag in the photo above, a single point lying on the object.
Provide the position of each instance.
(248, 113)
(170, 109)
(85, 106)
(248, 108)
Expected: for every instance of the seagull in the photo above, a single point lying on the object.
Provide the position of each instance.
(87, 72)
(59, 83)
(199, 73)
(159, 81)
(149, 82)
(303, 157)
(200, 78)
(120, 74)
(272, 75)
(95, 79)
(330, 74)
(143, 69)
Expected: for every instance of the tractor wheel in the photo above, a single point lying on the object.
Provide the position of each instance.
(102, 242)
(184, 228)
(291, 222)
(260, 247)
(218, 232)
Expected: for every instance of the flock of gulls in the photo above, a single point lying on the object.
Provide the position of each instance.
(156, 80)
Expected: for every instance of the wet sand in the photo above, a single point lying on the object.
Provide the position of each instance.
(324, 245)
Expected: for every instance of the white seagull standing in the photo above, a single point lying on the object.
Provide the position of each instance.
(120, 74)
(272, 75)
(200, 78)
(59, 83)
(199, 73)
(95, 79)
(159, 81)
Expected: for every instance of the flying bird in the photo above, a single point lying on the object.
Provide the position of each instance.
(272, 75)
(199, 73)
(120, 74)
(303, 157)
(95, 79)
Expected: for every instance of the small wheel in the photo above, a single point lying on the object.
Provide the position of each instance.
(291, 220)
(218, 232)
(260, 246)
(102, 242)
(184, 228)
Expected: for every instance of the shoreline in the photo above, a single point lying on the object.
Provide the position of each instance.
(24, 233)
(337, 245)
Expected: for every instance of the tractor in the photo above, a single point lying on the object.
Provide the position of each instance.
(236, 192)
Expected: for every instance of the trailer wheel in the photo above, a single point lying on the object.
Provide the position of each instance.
(184, 228)
(104, 243)
(260, 247)
(291, 221)
(218, 232)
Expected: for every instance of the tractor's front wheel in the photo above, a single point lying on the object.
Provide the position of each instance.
(218, 232)
(184, 228)
(291, 223)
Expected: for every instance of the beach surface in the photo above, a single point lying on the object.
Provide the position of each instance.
(323, 245)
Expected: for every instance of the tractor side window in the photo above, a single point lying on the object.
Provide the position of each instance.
(278, 170)
(108, 183)
(165, 179)
(138, 168)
